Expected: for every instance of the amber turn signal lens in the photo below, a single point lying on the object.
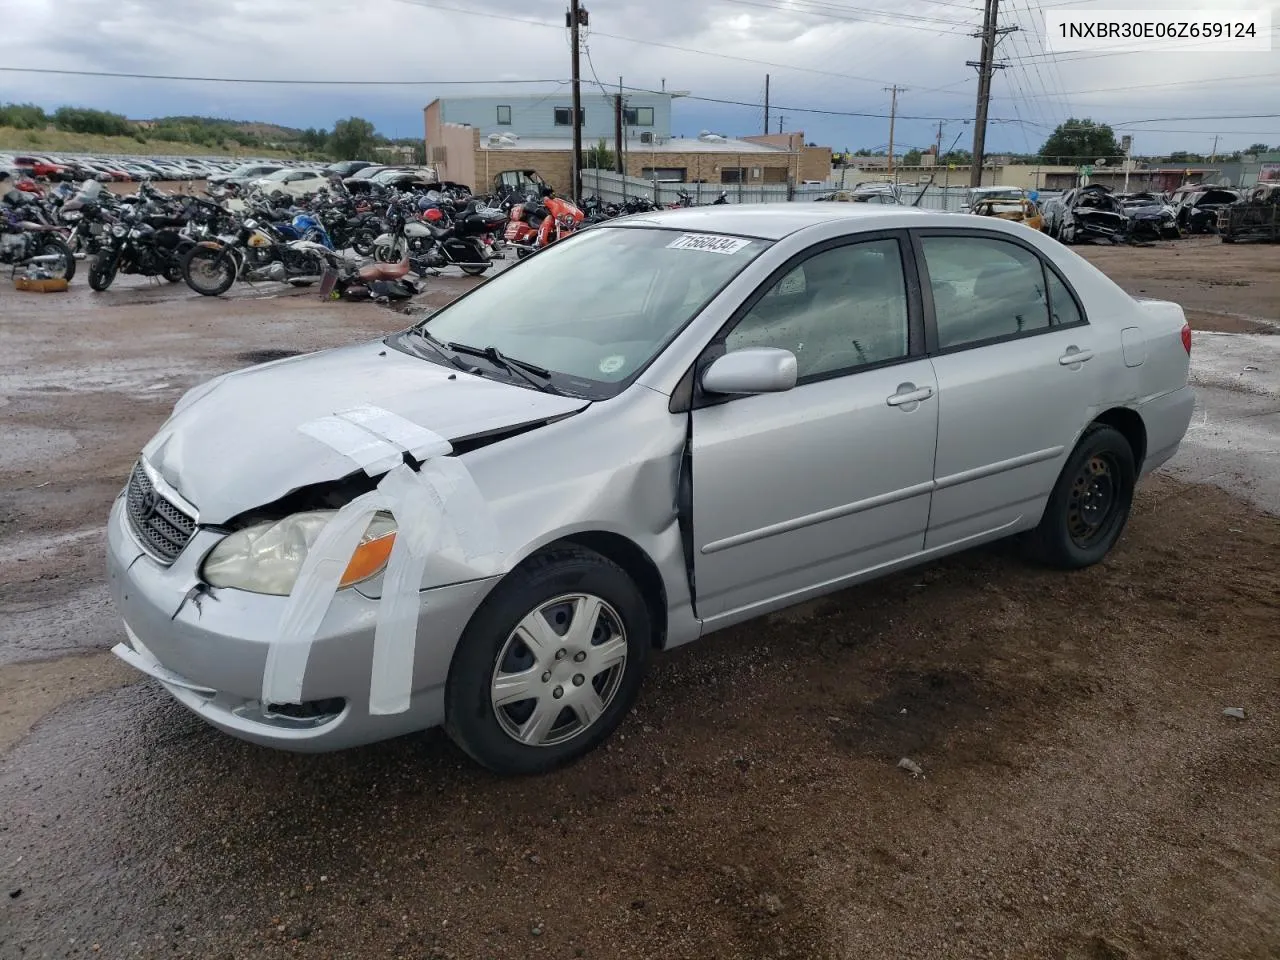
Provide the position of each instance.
(370, 557)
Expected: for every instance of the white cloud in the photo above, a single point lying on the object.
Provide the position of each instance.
(837, 63)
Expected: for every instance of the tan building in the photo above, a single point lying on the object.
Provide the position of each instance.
(462, 154)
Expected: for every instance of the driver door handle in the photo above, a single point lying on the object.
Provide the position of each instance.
(912, 396)
(1075, 356)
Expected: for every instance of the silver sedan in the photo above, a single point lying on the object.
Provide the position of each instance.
(659, 427)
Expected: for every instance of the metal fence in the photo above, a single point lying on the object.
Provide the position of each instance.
(614, 187)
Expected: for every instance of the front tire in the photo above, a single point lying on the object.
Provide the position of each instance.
(550, 664)
(102, 273)
(472, 270)
(209, 271)
(1090, 503)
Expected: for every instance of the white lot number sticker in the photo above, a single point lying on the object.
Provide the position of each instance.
(708, 243)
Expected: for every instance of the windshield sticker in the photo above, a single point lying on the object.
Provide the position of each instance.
(708, 243)
(612, 364)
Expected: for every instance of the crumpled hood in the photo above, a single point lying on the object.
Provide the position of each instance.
(233, 443)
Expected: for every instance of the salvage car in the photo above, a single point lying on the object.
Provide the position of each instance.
(1150, 217)
(1198, 207)
(1013, 207)
(490, 520)
(1086, 213)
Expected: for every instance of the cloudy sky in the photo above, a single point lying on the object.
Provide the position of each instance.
(835, 56)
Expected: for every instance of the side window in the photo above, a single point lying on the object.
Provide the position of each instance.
(504, 115)
(1062, 306)
(983, 289)
(843, 308)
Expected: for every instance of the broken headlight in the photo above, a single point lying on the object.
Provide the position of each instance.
(267, 557)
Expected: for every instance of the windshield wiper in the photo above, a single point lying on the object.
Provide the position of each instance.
(535, 376)
(441, 349)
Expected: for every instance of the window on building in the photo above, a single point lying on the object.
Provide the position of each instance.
(637, 116)
(504, 115)
(733, 174)
(665, 174)
(564, 113)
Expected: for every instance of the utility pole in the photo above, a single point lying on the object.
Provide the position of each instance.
(576, 17)
(1213, 156)
(618, 165)
(937, 150)
(766, 104)
(986, 68)
(781, 121)
(893, 113)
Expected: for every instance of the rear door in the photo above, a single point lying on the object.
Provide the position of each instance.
(799, 490)
(1019, 372)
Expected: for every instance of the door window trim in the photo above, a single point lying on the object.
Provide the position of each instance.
(919, 234)
(689, 396)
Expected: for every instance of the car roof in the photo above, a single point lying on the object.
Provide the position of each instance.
(773, 221)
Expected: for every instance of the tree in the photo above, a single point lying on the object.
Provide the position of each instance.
(1080, 141)
(83, 120)
(599, 157)
(23, 116)
(1256, 148)
(911, 158)
(352, 139)
(958, 157)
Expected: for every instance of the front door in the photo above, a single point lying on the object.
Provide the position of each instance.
(1018, 372)
(797, 491)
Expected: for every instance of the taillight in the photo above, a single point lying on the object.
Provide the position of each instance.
(1186, 338)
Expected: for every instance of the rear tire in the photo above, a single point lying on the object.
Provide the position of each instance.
(56, 245)
(1090, 503)
(473, 271)
(491, 646)
(362, 242)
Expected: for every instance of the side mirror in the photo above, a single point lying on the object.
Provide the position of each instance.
(750, 371)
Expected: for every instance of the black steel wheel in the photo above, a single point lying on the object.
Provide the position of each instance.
(1089, 506)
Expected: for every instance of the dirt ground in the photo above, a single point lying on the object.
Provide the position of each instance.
(1083, 794)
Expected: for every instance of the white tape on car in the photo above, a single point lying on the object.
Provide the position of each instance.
(309, 600)
(370, 452)
(439, 502)
(396, 632)
(420, 442)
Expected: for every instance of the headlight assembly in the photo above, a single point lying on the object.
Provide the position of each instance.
(267, 557)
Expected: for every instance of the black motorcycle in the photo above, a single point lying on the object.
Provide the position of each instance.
(146, 247)
(25, 240)
(440, 240)
(256, 251)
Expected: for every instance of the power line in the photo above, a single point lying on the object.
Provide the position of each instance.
(343, 83)
(831, 11)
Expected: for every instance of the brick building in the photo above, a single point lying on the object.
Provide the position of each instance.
(472, 139)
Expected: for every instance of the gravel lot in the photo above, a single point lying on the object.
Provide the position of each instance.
(1083, 794)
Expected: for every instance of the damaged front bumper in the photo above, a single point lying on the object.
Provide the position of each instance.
(208, 648)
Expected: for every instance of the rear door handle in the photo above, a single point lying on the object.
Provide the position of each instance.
(912, 396)
(1075, 356)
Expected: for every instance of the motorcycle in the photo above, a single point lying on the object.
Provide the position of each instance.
(87, 220)
(532, 226)
(136, 246)
(436, 240)
(254, 252)
(26, 241)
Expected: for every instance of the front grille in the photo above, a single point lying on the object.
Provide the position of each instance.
(162, 528)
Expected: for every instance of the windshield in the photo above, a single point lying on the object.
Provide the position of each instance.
(367, 173)
(597, 307)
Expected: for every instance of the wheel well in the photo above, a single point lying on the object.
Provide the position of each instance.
(638, 566)
(1131, 426)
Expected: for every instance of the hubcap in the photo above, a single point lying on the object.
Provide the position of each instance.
(1094, 501)
(559, 670)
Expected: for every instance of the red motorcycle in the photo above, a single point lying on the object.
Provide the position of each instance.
(534, 225)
